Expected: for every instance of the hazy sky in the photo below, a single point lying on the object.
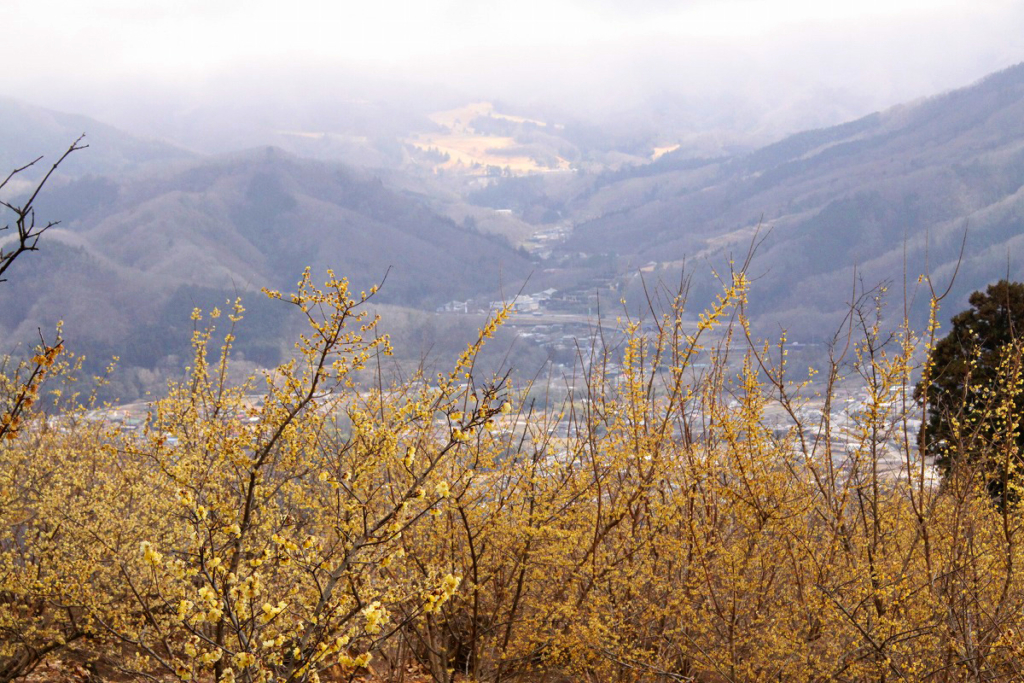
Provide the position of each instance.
(882, 51)
(189, 37)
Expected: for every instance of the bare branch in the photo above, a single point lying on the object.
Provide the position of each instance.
(24, 214)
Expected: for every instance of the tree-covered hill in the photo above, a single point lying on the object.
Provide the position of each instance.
(260, 217)
(28, 131)
(135, 252)
(836, 200)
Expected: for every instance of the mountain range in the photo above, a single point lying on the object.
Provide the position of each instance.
(852, 201)
(136, 251)
(150, 229)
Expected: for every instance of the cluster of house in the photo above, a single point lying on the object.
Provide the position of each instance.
(541, 243)
(524, 303)
(131, 419)
(890, 445)
(527, 303)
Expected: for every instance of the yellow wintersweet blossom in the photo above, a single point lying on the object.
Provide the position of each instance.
(376, 616)
(149, 554)
(244, 659)
(691, 511)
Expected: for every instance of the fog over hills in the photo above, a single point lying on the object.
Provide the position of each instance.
(30, 131)
(904, 183)
(259, 217)
(135, 252)
(149, 230)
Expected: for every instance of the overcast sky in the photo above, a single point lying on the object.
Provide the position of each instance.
(883, 51)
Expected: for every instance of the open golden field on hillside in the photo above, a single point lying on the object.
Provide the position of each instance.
(471, 151)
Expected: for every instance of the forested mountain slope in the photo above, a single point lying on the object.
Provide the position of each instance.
(135, 252)
(27, 132)
(856, 196)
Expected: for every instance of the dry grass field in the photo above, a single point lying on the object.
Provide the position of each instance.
(473, 152)
(662, 151)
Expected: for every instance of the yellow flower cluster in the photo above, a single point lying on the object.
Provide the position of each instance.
(438, 596)
(376, 616)
(269, 612)
(149, 554)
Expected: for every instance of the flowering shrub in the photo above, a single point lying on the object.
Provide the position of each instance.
(672, 531)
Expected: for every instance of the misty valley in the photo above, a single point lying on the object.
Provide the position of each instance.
(574, 233)
(421, 386)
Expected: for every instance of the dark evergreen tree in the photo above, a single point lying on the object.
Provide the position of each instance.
(972, 399)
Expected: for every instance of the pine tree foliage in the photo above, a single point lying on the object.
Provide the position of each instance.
(973, 400)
